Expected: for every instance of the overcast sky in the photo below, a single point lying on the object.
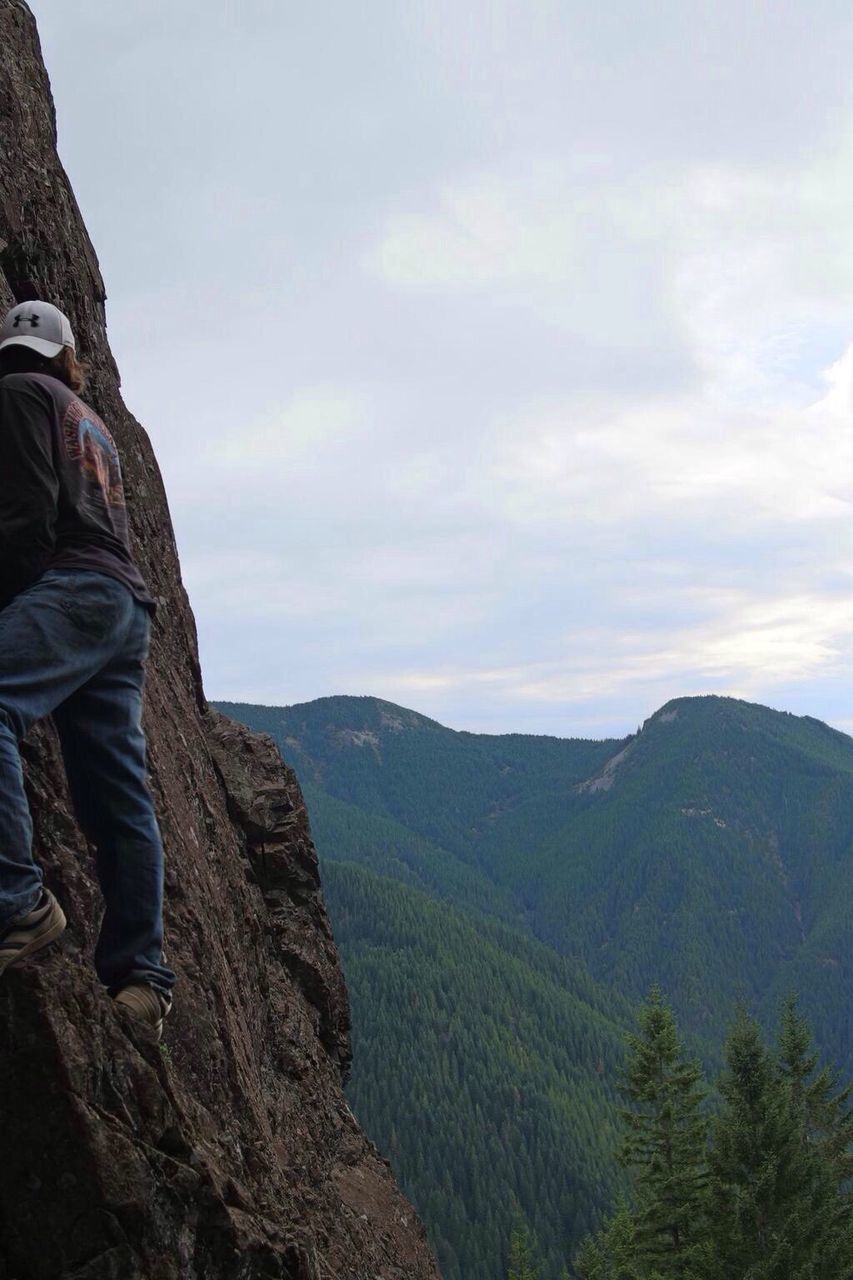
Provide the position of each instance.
(498, 356)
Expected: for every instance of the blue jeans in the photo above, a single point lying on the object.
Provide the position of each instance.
(74, 645)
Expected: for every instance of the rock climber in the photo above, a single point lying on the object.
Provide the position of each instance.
(75, 620)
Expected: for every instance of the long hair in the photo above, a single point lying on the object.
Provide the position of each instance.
(73, 372)
(66, 367)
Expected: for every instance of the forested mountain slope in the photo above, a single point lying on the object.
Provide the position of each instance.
(484, 1063)
(454, 789)
(715, 858)
(710, 852)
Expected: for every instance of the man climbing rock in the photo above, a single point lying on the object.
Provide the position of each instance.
(75, 617)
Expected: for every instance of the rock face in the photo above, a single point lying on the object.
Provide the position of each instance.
(231, 1152)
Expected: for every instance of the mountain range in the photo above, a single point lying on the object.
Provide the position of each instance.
(501, 902)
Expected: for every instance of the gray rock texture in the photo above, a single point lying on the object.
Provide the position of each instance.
(230, 1152)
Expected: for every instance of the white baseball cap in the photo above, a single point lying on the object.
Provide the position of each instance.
(38, 325)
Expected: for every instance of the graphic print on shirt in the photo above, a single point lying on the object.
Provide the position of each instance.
(89, 443)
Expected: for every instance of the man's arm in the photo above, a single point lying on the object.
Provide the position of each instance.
(29, 488)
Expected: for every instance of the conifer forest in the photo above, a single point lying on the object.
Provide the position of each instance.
(505, 905)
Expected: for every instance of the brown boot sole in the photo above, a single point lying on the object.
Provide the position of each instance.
(51, 928)
(140, 1003)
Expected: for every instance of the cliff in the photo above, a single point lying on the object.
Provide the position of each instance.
(231, 1152)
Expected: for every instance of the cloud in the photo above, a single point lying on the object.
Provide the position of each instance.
(592, 555)
(313, 419)
(481, 232)
(589, 549)
(747, 648)
(520, 394)
(684, 459)
(838, 397)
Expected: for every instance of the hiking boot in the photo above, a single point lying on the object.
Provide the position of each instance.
(141, 1002)
(29, 933)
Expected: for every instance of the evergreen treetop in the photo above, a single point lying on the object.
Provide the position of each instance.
(664, 1143)
(774, 1195)
(522, 1263)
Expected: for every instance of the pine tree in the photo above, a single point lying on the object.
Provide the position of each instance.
(825, 1121)
(771, 1196)
(665, 1144)
(824, 1105)
(522, 1264)
(611, 1254)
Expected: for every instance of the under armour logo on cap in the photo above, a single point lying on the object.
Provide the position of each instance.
(54, 329)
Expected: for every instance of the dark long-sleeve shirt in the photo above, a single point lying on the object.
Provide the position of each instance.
(61, 495)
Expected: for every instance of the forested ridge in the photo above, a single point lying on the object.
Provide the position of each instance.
(493, 1092)
(709, 852)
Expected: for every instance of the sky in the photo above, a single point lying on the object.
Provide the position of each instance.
(498, 356)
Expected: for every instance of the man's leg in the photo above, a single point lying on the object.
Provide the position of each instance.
(53, 637)
(20, 878)
(103, 745)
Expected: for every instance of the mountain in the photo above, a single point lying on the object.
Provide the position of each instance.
(710, 852)
(454, 789)
(232, 1151)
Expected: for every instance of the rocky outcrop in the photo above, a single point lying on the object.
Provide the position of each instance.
(231, 1151)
